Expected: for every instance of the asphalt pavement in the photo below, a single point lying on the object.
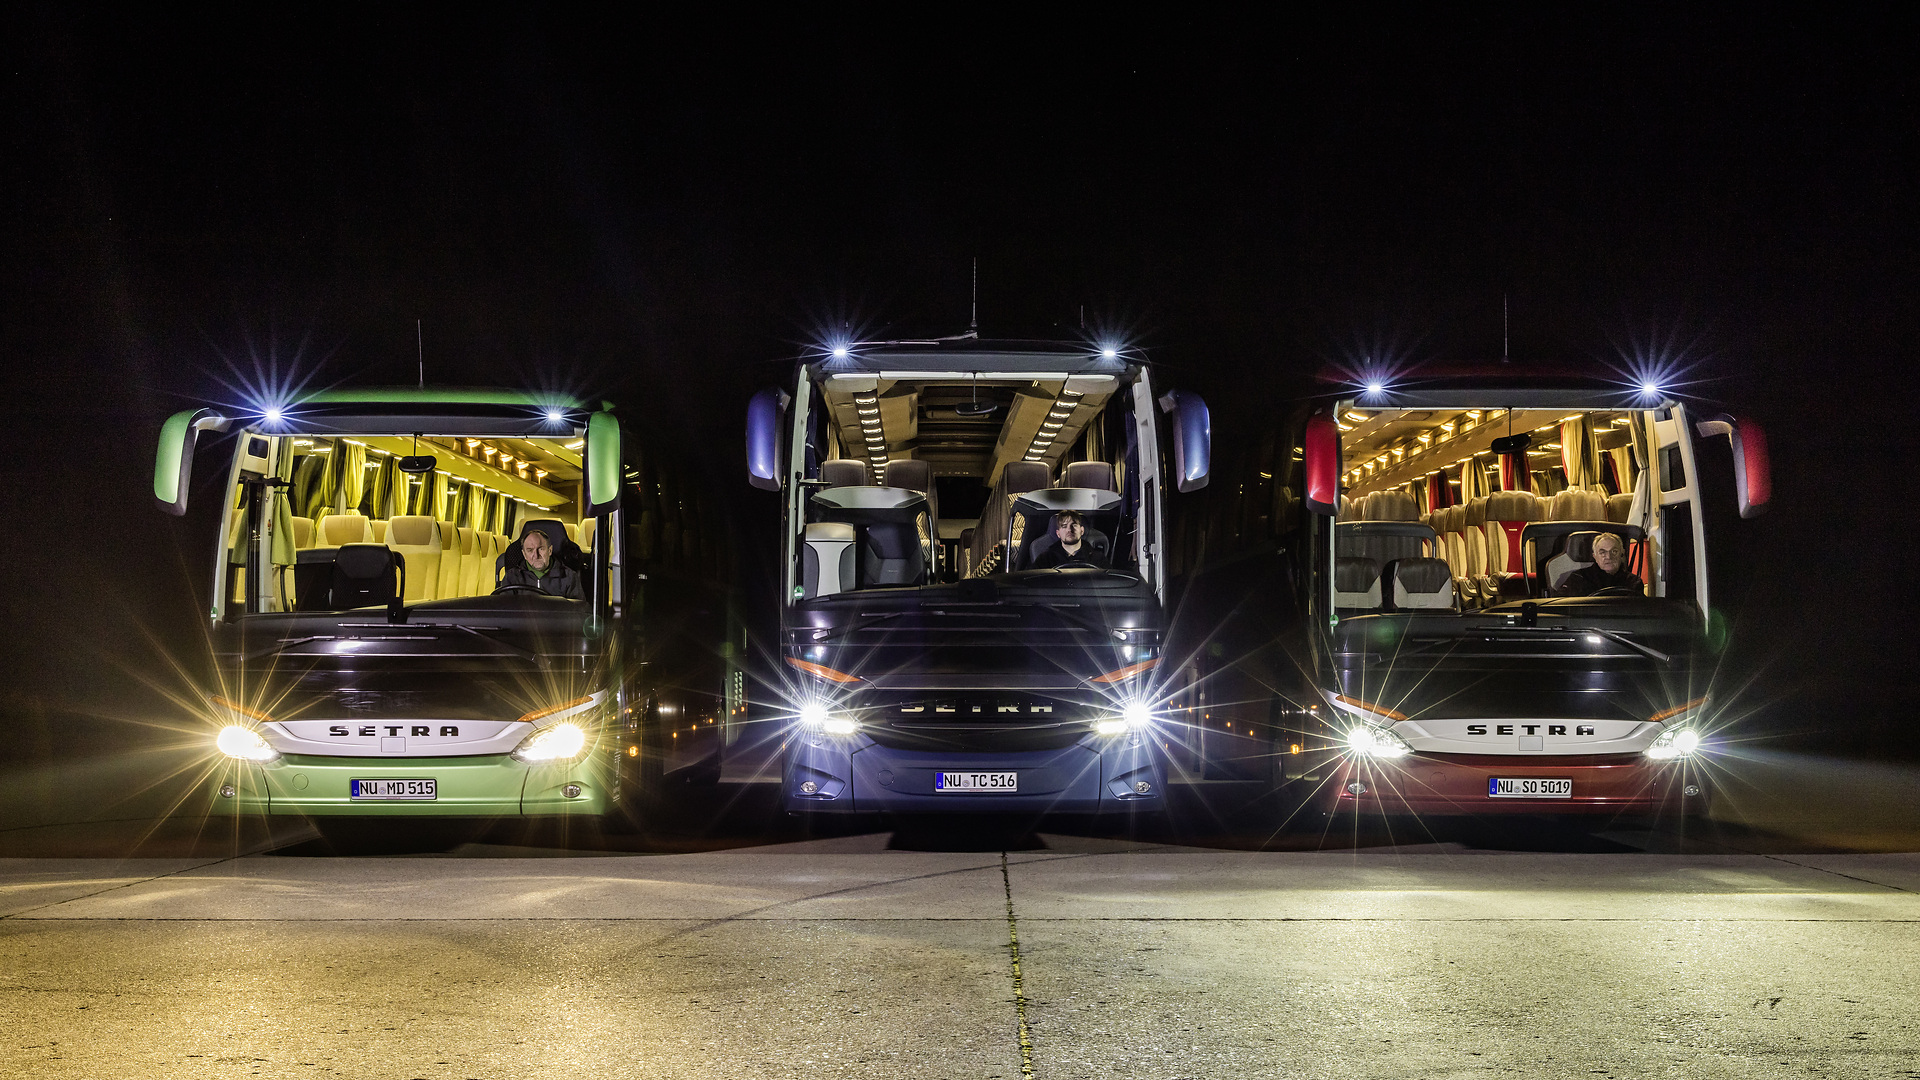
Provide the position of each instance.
(1780, 939)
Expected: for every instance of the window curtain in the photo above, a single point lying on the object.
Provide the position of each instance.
(384, 495)
(350, 466)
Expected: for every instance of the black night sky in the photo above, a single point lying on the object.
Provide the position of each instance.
(659, 212)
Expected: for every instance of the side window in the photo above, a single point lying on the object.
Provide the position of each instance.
(1673, 473)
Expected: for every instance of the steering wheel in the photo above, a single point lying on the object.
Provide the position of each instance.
(1615, 590)
(515, 588)
(1077, 564)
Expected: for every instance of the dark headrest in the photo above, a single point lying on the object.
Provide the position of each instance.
(910, 473)
(1580, 546)
(844, 472)
(1022, 476)
(1421, 575)
(966, 538)
(365, 561)
(1087, 474)
(1355, 575)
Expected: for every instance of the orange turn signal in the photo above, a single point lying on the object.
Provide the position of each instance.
(1666, 714)
(823, 671)
(252, 714)
(541, 714)
(1368, 706)
(1125, 673)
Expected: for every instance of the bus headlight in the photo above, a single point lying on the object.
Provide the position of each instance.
(1366, 740)
(1676, 743)
(1134, 716)
(561, 742)
(244, 743)
(816, 717)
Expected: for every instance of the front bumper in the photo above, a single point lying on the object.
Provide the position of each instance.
(1444, 785)
(857, 776)
(490, 785)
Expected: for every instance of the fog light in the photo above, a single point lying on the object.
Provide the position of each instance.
(571, 791)
(809, 788)
(1142, 788)
(1356, 788)
(226, 791)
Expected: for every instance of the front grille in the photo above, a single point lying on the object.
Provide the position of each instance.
(932, 736)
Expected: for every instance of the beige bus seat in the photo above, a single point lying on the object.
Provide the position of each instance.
(1356, 584)
(1473, 530)
(587, 530)
(379, 531)
(302, 533)
(1507, 513)
(573, 533)
(448, 586)
(1390, 506)
(1572, 505)
(417, 539)
(1420, 584)
(337, 529)
(1620, 507)
(469, 559)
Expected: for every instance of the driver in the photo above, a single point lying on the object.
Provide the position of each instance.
(542, 571)
(1609, 570)
(1072, 543)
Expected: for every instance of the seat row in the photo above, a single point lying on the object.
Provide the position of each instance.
(1481, 539)
(443, 561)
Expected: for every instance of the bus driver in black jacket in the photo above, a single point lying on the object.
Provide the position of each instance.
(538, 569)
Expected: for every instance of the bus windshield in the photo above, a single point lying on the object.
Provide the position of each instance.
(335, 522)
(1456, 509)
(930, 480)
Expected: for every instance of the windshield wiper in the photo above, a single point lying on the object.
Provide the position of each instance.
(524, 654)
(1648, 650)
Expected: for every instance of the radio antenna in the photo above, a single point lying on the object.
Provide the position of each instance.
(1505, 330)
(420, 352)
(973, 323)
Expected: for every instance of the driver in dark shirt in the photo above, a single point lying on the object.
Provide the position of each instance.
(1072, 543)
(542, 571)
(1609, 570)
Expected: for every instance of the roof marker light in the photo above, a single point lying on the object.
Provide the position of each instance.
(839, 352)
(273, 416)
(1109, 352)
(1375, 387)
(555, 416)
(1650, 388)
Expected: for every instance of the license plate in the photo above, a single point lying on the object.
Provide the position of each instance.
(1528, 787)
(392, 789)
(961, 783)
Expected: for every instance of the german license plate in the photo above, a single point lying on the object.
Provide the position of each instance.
(964, 783)
(393, 789)
(1528, 787)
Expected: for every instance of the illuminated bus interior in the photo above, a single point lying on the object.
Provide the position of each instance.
(1455, 509)
(1014, 457)
(451, 522)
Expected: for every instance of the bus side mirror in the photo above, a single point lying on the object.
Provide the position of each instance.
(173, 462)
(1752, 466)
(603, 460)
(1321, 449)
(763, 438)
(1192, 438)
